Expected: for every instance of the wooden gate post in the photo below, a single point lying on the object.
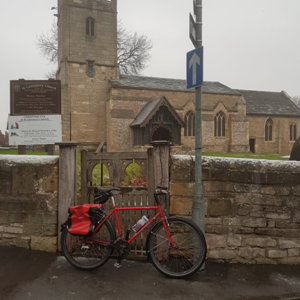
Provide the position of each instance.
(84, 177)
(66, 182)
(158, 165)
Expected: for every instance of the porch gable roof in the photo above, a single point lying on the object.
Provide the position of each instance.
(150, 109)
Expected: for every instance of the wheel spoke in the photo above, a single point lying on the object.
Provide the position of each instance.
(88, 252)
(189, 253)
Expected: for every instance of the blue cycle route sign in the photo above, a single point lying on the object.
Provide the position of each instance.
(194, 68)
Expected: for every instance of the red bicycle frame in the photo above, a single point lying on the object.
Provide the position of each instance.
(160, 214)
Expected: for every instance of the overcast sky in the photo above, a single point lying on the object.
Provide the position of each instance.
(248, 44)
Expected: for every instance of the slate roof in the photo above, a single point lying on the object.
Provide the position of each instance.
(143, 114)
(156, 83)
(269, 103)
(257, 102)
(150, 109)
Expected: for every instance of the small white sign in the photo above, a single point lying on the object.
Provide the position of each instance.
(34, 130)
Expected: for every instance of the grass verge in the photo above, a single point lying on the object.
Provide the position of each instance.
(269, 156)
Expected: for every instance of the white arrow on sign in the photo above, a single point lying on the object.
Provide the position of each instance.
(194, 61)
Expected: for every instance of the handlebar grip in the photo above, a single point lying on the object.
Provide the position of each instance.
(161, 192)
(162, 187)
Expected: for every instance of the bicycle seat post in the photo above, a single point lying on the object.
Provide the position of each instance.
(113, 200)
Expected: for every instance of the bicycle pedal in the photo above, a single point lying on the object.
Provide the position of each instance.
(117, 265)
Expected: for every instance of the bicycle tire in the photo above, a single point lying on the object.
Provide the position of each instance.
(87, 252)
(189, 254)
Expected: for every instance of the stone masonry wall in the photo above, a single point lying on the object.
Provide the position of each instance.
(281, 142)
(28, 201)
(86, 66)
(125, 104)
(252, 207)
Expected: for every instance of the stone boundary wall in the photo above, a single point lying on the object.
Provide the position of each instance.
(252, 207)
(28, 201)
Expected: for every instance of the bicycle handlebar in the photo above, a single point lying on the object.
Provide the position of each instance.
(102, 194)
(161, 190)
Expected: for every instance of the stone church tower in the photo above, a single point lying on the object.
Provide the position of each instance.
(87, 57)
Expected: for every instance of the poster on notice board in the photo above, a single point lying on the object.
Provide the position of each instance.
(34, 130)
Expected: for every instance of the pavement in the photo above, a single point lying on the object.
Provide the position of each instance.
(26, 274)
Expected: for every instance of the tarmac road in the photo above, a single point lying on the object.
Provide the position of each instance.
(37, 275)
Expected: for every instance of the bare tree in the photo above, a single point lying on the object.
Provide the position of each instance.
(48, 44)
(132, 49)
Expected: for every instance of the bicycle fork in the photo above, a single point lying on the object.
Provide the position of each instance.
(166, 226)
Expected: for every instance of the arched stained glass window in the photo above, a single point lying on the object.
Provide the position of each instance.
(293, 132)
(189, 124)
(269, 130)
(220, 124)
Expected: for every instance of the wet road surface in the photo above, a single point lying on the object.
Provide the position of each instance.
(37, 275)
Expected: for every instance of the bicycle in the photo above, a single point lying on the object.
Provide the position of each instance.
(175, 246)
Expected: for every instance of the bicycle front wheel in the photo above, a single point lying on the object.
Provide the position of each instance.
(185, 256)
(90, 251)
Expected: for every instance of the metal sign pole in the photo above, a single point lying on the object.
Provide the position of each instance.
(198, 203)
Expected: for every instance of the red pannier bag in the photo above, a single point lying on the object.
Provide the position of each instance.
(83, 218)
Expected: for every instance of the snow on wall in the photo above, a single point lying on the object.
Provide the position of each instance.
(12, 160)
(252, 207)
(239, 162)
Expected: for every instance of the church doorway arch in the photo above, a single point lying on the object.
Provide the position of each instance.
(161, 134)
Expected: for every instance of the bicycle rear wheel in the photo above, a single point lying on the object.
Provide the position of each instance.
(90, 251)
(188, 254)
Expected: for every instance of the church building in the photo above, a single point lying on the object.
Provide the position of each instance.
(128, 112)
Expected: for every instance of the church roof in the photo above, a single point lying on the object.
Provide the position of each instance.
(257, 102)
(156, 83)
(269, 103)
(150, 109)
